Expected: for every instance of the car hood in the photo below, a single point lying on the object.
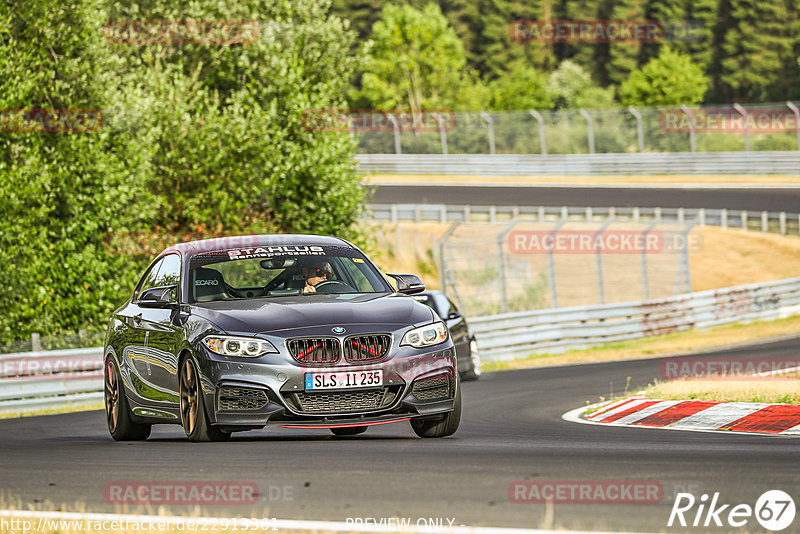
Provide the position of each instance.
(282, 313)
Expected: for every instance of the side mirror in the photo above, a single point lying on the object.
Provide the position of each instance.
(157, 297)
(454, 315)
(408, 283)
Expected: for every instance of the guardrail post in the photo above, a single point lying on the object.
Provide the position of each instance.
(514, 212)
(393, 212)
(723, 218)
(744, 220)
(467, 214)
(589, 214)
(542, 142)
(442, 259)
(601, 291)
(501, 257)
(680, 215)
(492, 214)
(442, 132)
(764, 221)
(796, 112)
(657, 214)
(782, 220)
(639, 128)
(636, 214)
(443, 214)
(589, 127)
(690, 114)
(564, 212)
(490, 126)
(701, 215)
(540, 213)
(743, 113)
(396, 127)
(417, 213)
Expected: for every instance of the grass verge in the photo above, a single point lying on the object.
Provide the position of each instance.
(69, 408)
(774, 390)
(673, 344)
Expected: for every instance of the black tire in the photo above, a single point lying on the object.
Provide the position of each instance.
(442, 425)
(119, 419)
(474, 371)
(193, 414)
(348, 430)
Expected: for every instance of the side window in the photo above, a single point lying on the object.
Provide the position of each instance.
(442, 305)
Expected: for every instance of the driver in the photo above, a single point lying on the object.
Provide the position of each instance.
(315, 273)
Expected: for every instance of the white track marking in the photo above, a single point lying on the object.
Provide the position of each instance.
(719, 415)
(650, 410)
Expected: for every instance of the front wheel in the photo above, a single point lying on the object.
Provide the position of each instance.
(193, 414)
(118, 413)
(442, 425)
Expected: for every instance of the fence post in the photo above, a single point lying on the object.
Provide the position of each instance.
(590, 128)
(36, 342)
(490, 125)
(542, 141)
(639, 129)
(723, 216)
(502, 265)
(492, 214)
(396, 127)
(540, 213)
(442, 261)
(636, 214)
(796, 112)
(701, 215)
(443, 214)
(689, 113)
(589, 214)
(657, 214)
(743, 113)
(782, 219)
(744, 220)
(551, 266)
(764, 221)
(442, 132)
(393, 211)
(645, 277)
(467, 214)
(601, 291)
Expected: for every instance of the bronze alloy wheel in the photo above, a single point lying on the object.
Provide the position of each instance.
(111, 397)
(188, 385)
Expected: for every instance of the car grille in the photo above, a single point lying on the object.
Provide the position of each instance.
(235, 398)
(341, 402)
(366, 348)
(436, 387)
(322, 350)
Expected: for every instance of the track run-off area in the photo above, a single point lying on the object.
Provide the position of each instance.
(512, 430)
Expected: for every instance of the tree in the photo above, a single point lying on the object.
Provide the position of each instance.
(417, 61)
(522, 87)
(671, 78)
(570, 86)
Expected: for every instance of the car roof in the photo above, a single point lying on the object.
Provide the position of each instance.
(190, 248)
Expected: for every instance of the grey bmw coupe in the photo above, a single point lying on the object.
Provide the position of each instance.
(295, 331)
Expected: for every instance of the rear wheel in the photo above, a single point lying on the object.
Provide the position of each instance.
(348, 430)
(440, 426)
(118, 414)
(193, 414)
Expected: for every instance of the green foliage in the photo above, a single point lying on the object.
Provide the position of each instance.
(570, 86)
(671, 78)
(522, 87)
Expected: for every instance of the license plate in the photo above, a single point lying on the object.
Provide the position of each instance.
(344, 380)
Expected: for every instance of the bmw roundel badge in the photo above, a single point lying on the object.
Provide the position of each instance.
(338, 330)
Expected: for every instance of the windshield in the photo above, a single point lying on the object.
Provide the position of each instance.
(281, 271)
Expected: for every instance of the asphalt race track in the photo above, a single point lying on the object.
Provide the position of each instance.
(752, 198)
(511, 430)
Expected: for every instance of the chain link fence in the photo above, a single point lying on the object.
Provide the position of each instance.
(719, 128)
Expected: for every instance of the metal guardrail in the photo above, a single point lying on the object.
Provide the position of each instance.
(699, 163)
(43, 380)
(514, 335)
(764, 221)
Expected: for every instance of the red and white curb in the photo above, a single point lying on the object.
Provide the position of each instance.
(747, 417)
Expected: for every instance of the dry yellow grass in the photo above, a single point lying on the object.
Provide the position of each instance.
(780, 390)
(68, 408)
(588, 180)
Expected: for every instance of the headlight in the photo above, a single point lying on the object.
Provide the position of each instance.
(244, 347)
(425, 336)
